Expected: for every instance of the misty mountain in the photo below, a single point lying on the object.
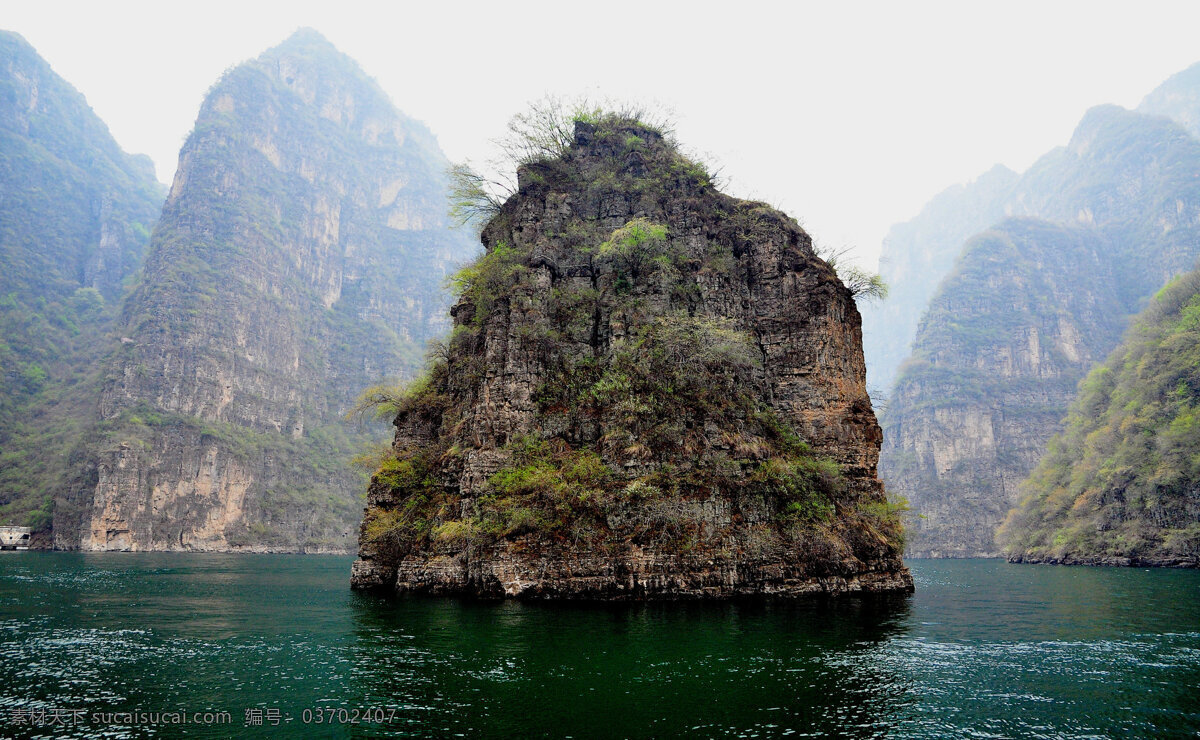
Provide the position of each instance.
(1031, 305)
(75, 217)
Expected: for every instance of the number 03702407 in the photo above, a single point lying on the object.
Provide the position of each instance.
(347, 716)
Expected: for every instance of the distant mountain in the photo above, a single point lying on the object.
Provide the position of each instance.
(1178, 99)
(299, 258)
(1031, 305)
(75, 216)
(1121, 484)
(916, 256)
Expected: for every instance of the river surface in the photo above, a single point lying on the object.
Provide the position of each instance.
(982, 649)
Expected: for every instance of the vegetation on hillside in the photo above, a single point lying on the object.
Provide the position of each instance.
(1123, 479)
(75, 217)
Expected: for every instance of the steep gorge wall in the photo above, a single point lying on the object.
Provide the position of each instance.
(1029, 309)
(298, 260)
(75, 218)
(1031, 305)
(1121, 484)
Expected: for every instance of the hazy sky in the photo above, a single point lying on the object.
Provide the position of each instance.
(849, 116)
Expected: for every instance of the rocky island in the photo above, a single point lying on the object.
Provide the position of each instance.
(652, 390)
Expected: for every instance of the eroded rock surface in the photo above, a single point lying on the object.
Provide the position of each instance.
(652, 390)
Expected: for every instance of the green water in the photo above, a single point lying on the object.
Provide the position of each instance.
(983, 649)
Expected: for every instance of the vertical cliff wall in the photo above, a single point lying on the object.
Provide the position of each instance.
(1030, 306)
(652, 389)
(299, 258)
(75, 217)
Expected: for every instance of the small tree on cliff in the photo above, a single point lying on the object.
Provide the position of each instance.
(862, 283)
(543, 132)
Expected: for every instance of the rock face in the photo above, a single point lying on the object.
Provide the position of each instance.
(1000, 351)
(1031, 305)
(916, 256)
(1121, 484)
(652, 390)
(298, 259)
(75, 217)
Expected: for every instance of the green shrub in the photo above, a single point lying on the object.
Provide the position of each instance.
(804, 489)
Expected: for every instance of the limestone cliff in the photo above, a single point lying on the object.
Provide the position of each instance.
(75, 215)
(1031, 305)
(298, 259)
(652, 390)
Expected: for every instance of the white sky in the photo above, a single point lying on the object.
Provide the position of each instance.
(848, 115)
